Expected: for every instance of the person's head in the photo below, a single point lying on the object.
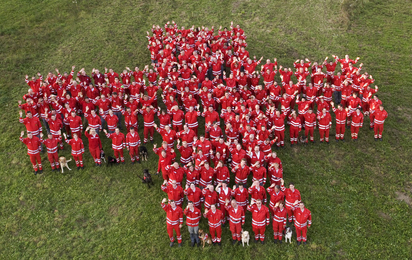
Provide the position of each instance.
(292, 186)
(50, 136)
(340, 107)
(233, 203)
(110, 112)
(277, 188)
(167, 128)
(29, 114)
(190, 204)
(259, 203)
(310, 111)
(213, 207)
(163, 153)
(281, 204)
(301, 205)
(75, 136)
(257, 148)
(117, 131)
(324, 110)
(243, 162)
(238, 147)
(381, 107)
(176, 165)
(174, 183)
(172, 203)
(164, 145)
(358, 111)
(224, 185)
(92, 131)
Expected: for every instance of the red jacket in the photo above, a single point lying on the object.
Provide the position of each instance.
(168, 137)
(236, 216)
(241, 196)
(77, 146)
(194, 196)
(302, 218)
(94, 141)
(340, 116)
(132, 140)
(223, 195)
(118, 140)
(325, 120)
(275, 197)
(291, 197)
(258, 194)
(380, 117)
(260, 217)
(214, 218)
(175, 194)
(33, 124)
(174, 216)
(242, 174)
(32, 144)
(279, 215)
(51, 144)
(210, 198)
(192, 217)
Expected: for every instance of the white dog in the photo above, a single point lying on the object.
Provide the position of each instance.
(288, 235)
(63, 163)
(245, 237)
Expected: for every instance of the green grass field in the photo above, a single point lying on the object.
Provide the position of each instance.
(360, 194)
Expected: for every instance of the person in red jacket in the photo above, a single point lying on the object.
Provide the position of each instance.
(279, 126)
(257, 192)
(341, 115)
(241, 195)
(33, 143)
(77, 149)
(279, 221)
(292, 198)
(295, 127)
(193, 216)
(242, 172)
(214, 217)
(168, 135)
(55, 125)
(236, 219)
(225, 193)
(324, 122)
(310, 125)
(148, 117)
(303, 220)
(194, 194)
(51, 144)
(357, 122)
(75, 122)
(132, 145)
(95, 145)
(174, 220)
(187, 135)
(33, 125)
(260, 219)
(174, 192)
(118, 144)
(379, 120)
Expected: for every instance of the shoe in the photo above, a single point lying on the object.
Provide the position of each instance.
(213, 243)
(239, 243)
(280, 241)
(152, 141)
(198, 244)
(298, 243)
(256, 240)
(192, 244)
(233, 242)
(123, 162)
(132, 162)
(220, 243)
(355, 140)
(53, 170)
(291, 145)
(179, 244)
(82, 167)
(138, 161)
(380, 139)
(99, 164)
(78, 167)
(275, 241)
(96, 164)
(337, 140)
(327, 142)
(304, 243)
(376, 139)
(35, 172)
(343, 140)
(172, 243)
(370, 128)
(262, 242)
(40, 171)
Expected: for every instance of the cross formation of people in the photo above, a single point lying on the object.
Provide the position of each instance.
(208, 78)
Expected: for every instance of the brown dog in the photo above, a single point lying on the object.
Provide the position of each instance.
(63, 163)
(204, 237)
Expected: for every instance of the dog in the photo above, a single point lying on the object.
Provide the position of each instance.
(288, 235)
(111, 161)
(303, 140)
(147, 178)
(205, 238)
(245, 237)
(63, 163)
(103, 156)
(143, 152)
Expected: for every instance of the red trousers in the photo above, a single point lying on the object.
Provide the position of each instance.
(294, 133)
(281, 138)
(36, 160)
(178, 128)
(354, 130)
(301, 233)
(259, 232)
(340, 131)
(95, 152)
(134, 153)
(218, 237)
(324, 134)
(148, 131)
(309, 131)
(372, 119)
(277, 230)
(224, 213)
(194, 129)
(289, 211)
(79, 159)
(54, 160)
(378, 130)
(117, 154)
(176, 228)
(236, 229)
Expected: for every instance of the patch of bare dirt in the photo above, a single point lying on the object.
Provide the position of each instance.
(403, 197)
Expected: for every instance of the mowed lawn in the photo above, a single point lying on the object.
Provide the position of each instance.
(360, 194)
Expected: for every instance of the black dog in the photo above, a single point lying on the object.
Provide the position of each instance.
(143, 153)
(103, 155)
(147, 178)
(111, 161)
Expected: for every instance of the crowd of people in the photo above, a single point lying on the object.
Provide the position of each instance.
(205, 77)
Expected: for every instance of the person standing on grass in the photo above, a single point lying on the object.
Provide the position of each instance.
(379, 119)
(279, 221)
(77, 149)
(236, 219)
(260, 219)
(193, 216)
(95, 144)
(174, 220)
(118, 144)
(356, 124)
(51, 144)
(292, 198)
(214, 217)
(33, 143)
(303, 220)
